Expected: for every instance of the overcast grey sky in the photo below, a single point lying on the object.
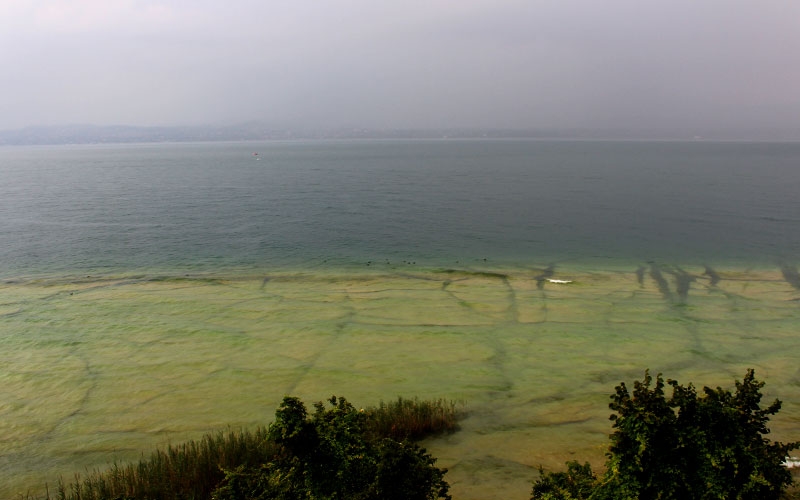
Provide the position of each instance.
(395, 64)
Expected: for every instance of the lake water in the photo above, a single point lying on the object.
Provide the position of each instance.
(151, 293)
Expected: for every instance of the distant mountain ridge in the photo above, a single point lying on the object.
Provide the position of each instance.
(255, 131)
(91, 134)
(94, 134)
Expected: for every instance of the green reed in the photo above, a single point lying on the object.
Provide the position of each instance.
(412, 419)
(190, 470)
(193, 470)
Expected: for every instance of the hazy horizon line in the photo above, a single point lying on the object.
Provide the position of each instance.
(87, 133)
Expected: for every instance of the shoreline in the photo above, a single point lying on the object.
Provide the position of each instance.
(549, 269)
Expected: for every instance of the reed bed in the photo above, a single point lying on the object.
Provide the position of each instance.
(188, 471)
(412, 419)
(193, 470)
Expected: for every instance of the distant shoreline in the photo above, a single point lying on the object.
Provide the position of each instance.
(128, 134)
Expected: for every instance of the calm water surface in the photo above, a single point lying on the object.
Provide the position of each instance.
(206, 206)
(151, 293)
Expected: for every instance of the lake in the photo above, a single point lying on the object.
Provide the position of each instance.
(150, 293)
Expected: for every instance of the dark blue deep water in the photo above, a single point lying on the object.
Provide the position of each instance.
(207, 207)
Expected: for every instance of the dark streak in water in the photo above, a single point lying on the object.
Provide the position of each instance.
(264, 283)
(11, 314)
(573, 421)
(662, 284)
(477, 274)
(541, 278)
(791, 275)
(512, 313)
(713, 275)
(640, 275)
(548, 398)
(683, 282)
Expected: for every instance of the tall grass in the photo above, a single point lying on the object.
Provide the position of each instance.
(188, 471)
(193, 470)
(412, 419)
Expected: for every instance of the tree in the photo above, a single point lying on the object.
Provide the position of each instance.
(331, 456)
(686, 446)
(575, 484)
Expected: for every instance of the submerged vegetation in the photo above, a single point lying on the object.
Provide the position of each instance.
(357, 453)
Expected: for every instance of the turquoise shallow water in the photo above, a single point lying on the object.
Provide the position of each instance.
(151, 293)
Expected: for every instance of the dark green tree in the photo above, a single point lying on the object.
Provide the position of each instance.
(686, 446)
(574, 484)
(330, 455)
(644, 455)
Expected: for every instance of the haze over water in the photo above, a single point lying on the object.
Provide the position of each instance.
(150, 293)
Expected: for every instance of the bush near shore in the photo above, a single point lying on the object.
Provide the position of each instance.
(336, 452)
(686, 446)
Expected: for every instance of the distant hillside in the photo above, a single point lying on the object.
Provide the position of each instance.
(255, 131)
(92, 134)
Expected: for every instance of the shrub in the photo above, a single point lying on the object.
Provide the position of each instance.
(575, 484)
(332, 456)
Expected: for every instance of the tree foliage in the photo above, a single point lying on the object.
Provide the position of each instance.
(574, 484)
(685, 446)
(330, 455)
